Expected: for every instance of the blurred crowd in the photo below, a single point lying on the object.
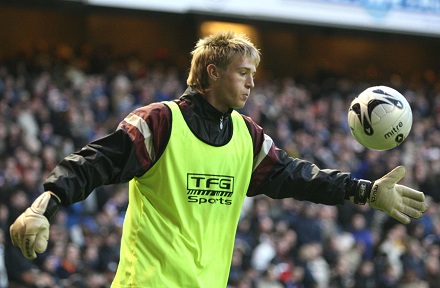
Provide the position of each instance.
(57, 99)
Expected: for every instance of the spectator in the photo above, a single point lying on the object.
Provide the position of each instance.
(41, 96)
(393, 246)
(3, 273)
(23, 272)
(311, 255)
(363, 236)
(269, 279)
(411, 279)
(365, 275)
(412, 258)
(70, 263)
(432, 268)
(307, 225)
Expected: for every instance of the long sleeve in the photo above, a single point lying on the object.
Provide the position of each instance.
(279, 176)
(109, 160)
(116, 158)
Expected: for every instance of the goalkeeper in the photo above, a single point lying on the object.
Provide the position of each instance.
(190, 163)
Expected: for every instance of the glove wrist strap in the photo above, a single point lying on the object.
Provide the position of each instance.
(359, 190)
(52, 207)
(362, 192)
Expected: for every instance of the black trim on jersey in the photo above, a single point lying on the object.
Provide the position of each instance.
(204, 120)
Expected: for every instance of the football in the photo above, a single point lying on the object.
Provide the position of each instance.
(380, 118)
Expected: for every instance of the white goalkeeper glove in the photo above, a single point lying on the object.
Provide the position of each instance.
(30, 231)
(398, 201)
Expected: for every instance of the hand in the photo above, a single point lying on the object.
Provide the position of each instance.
(396, 200)
(30, 231)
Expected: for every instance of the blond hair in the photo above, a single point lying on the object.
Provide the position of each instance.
(218, 49)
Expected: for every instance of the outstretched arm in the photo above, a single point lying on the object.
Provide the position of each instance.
(279, 176)
(116, 158)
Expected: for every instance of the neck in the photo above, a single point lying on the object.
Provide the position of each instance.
(211, 99)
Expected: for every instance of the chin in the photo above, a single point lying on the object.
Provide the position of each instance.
(239, 105)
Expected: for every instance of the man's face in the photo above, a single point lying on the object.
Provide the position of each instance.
(233, 85)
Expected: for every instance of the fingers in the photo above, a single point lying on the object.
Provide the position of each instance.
(14, 236)
(17, 230)
(30, 232)
(409, 207)
(34, 242)
(27, 247)
(414, 204)
(411, 211)
(413, 199)
(410, 193)
(41, 240)
(399, 216)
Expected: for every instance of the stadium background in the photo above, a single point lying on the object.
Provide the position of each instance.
(70, 72)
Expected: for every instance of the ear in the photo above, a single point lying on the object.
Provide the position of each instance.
(213, 71)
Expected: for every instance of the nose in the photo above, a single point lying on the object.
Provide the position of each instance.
(250, 82)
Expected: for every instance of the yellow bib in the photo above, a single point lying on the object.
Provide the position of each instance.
(182, 216)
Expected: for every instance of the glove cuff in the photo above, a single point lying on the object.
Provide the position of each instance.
(52, 206)
(360, 191)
